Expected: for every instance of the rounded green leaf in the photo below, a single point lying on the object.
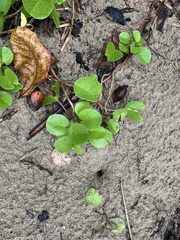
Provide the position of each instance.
(17, 87)
(91, 119)
(63, 144)
(98, 143)
(98, 133)
(79, 133)
(134, 115)
(111, 53)
(6, 55)
(9, 79)
(38, 9)
(124, 48)
(110, 48)
(115, 225)
(144, 55)
(93, 197)
(113, 126)
(133, 48)
(57, 124)
(135, 105)
(108, 137)
(137, 36)
(124, 37)
(88, 88)
(77, 149)
(5, 99)
(81, 106)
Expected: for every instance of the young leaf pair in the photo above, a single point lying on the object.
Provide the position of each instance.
(128, 44)
(130, 110)
(8, 79)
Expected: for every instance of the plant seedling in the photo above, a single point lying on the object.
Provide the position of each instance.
(115, 225)
(128, 45)
(8, 79)
(87, 127)
(93, 197)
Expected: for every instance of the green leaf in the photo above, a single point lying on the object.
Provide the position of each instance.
(141, 42)
(135, 105)
(91, 119)
(108, 137)
(98, 133)
(17, 87)
(134, 115)
(57, 124)
(55, 17)
(2, 18)
(115, 225)
(5, 99)
(113, 126)
(77, 149)
(79, 133)
(133, 48)
(144, 55)
(6, 55)
(5, 6)
(81, 106)
(117, 113)
(60, 1)
(52, 99)
(137, 36)
(124, 48)
(88, 88)
(124, 37)
(111, 53)
(93, 197)
(63, 144)
(9, 79)
(38, 9)
(98, 143)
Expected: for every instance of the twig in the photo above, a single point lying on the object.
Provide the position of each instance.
(40, 167)
(8, 115)
(71, 27)
(42, 124)
(126, 212)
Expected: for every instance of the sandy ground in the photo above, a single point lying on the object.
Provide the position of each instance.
(145, 156)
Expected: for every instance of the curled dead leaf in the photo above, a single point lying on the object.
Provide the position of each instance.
(60, 160)
(31, 59)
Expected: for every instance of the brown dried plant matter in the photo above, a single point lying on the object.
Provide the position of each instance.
(31, 59)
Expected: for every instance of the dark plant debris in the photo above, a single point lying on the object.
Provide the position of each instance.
(173, 229)
(117, 15)
(77, 28)
(80, 61)
(43, 216)
(159, 227)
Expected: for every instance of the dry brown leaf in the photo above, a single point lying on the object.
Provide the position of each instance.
(59, 159)
(31, 59)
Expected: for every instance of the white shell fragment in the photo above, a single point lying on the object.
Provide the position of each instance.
(60, 159)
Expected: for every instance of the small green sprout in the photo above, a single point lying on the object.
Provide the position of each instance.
(52, 98)
(93, 197)
(8, 79)
(115, 225)
(128, 44)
